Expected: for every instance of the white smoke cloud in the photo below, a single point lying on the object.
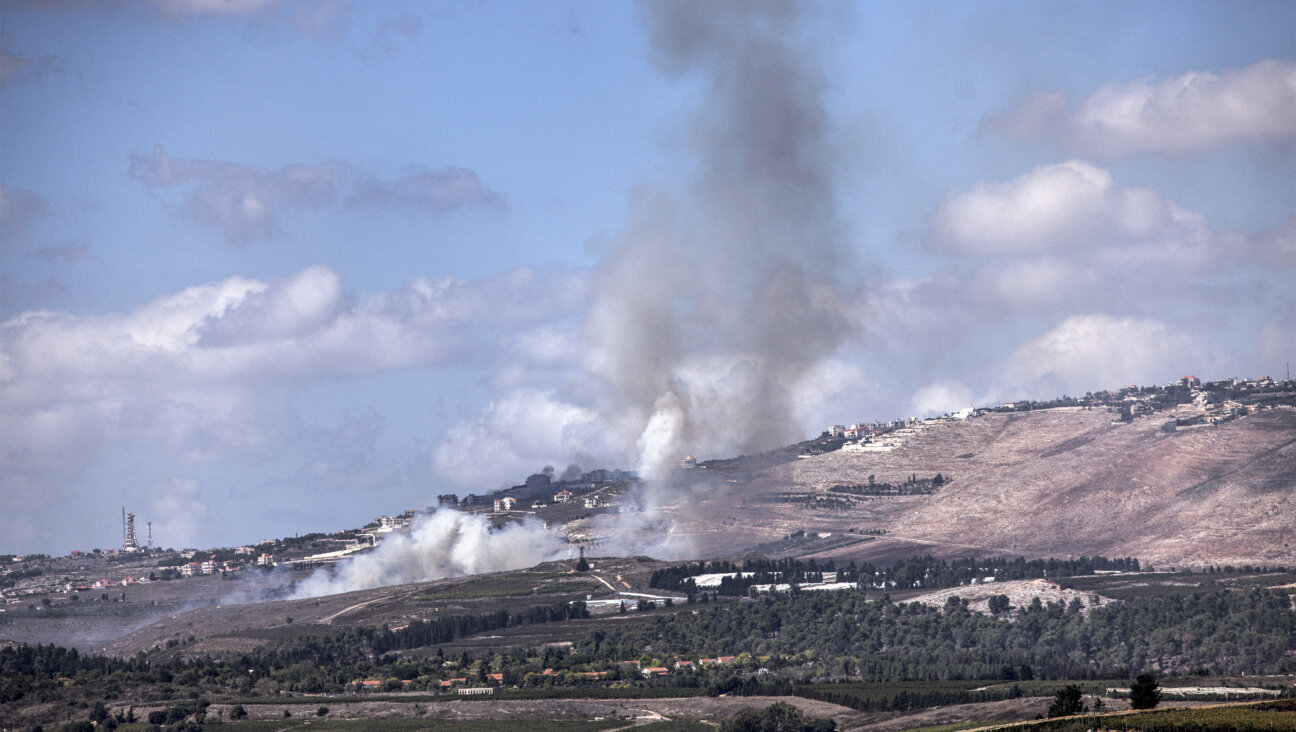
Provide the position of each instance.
(444, 544)
(942, 398)
(1183, 114)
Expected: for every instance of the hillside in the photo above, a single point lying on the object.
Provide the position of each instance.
(1054, 482)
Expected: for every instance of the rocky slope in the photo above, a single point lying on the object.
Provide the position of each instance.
(1058, 482)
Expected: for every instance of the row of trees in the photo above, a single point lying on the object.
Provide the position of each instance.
(925, 572)
(1231, 632)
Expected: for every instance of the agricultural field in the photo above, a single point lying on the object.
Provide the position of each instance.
(1278, 716)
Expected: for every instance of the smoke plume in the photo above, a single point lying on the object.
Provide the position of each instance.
(444, 544)
(715, 302)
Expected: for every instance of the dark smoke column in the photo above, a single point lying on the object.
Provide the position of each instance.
(716, 301)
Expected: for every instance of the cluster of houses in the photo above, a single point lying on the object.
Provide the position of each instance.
(510, 503)
(860, 430)
(1132, 396)
(104, 583)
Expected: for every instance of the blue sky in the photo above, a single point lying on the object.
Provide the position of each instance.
(270, 267)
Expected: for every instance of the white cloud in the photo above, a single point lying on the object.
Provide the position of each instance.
(178, 8)
(210, 372)
(1184, 114)
(517, 434)
(1066, 206)
(1088, 352)
(1034, 282)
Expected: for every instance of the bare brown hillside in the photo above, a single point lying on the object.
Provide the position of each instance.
(1055, 482)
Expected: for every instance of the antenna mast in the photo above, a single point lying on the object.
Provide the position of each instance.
(128, 540)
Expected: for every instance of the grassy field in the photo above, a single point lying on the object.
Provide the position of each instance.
(474, 593)
(512, 584)
(1162, 584)
(1272, 716)
(417, 725)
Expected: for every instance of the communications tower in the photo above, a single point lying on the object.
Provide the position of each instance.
(128, 532)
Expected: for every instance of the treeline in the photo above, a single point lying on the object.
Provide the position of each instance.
(878, 640)
(875, 697)
(422, 633)
(928, 573)
(918, 572)
(311, 663)
(915, 486)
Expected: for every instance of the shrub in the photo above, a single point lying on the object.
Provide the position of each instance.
(1144, 692)
(1067, 702)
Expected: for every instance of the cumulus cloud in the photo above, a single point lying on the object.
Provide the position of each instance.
(1067, 206)
(1184, 114)
(208, 372)
(516, 433)
(1088, 352)
(245, 202)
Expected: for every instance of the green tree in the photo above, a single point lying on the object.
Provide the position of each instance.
(1000, 604)
(777, 717)
(1144, 692)
(1067, 702)
(238, 712)
(98, 712)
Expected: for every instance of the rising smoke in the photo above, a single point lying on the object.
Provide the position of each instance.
(715, 303)
(443, 544)
(712, 306)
